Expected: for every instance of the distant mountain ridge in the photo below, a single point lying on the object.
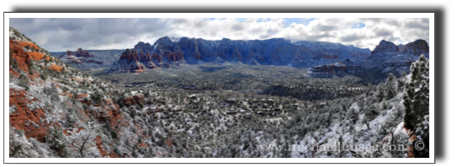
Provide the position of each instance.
(89, 59)
(396, 61)
(167, 52)
(384, 59)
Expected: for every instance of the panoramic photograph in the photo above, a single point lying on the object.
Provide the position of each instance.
(218, 87)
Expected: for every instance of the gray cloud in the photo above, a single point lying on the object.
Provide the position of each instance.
(383, 32)
(237, 27)
(372, 19)
(325, 28)
(200, 23)
(392, 22)
(272, 31)
(179, 21)
(70, 34)
(418, 24)
(350, 38)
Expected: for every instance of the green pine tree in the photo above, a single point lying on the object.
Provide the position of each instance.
(416, 102)
(390, 87)
(56, 141)
(416, 95)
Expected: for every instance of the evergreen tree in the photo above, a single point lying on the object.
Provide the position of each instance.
(134, 151)
(416, 102)
(56, 141)
(416, 93)
(24, 82)
(390, 87)
(30, 66)
(401, 81)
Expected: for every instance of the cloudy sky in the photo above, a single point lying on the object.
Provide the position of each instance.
(62, 34)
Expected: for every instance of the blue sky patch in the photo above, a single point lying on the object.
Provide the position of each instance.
(304, 21)
(263, 20)
(358, 26)
(241, 19)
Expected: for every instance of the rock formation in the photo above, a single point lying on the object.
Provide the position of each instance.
(340, 69)
(81, 59)
(129, 62)
(18, 55)
(384, 59)
(276, 51)
(388, 54)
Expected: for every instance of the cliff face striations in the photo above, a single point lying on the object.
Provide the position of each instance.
(166, 52)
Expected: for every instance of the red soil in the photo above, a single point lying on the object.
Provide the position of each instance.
(25, 119)
(55, 67)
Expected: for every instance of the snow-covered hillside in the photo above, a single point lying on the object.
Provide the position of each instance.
(58, 111)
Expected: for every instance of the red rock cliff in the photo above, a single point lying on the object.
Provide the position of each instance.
(21, 57)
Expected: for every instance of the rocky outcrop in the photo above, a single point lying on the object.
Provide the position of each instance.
(135, 67)
(276, 51)
(322, 71)
(47, 121)
(56, 68)
(70, 59)
(417, 47)
(157, 58)
(28, 118)
(130, 55)
(150, 65)
(167, 51)
(327, 56)
(132, 67)
(145, 57)
(129, 62)
(134, 99)
(389, 58)
(79, 53)
(19, 56)
(106, 112)
(387, 54)
(89, 59)
(340, 69)
(313, 52)
(81, 59)
(384, 59)
(83, 53)
(103, 152)
(164, 53)
(142, 47)
(325, 59)
(385, 46)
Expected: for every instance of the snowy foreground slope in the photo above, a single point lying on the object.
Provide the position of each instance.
(56, 110)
